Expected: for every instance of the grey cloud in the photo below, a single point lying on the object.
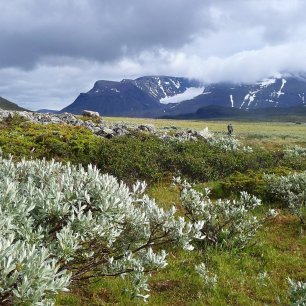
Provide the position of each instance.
(53, 49)
(97, 30)
(104, 30)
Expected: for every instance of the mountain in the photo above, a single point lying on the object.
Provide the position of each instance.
(164, 96)
(268, 93)
(141, 97)
(7, 105)
(291, 114)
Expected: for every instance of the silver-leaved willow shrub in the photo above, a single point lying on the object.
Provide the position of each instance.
(296, 151)
(210, 279)
(224, 143)
(225, 223)
(61, 224)
(297, 292)
(291, 190)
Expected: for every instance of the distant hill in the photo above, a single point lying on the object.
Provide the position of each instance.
(158, 96)
(7, 105)
(293, 114)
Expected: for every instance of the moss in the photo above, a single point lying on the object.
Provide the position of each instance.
(61, 142)
(139, 156)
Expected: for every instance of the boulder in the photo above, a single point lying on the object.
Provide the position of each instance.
(106, 132)
(146, 127)
(88, 113)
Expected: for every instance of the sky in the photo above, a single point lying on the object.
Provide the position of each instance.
(51, 50)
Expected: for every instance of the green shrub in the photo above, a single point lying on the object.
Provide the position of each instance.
(147, 157)
(61, 142)
(132, 157)
(252, 182)
(137, 156)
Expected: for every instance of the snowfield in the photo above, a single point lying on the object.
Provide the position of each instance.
(188, 94)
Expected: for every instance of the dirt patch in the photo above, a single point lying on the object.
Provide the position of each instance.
(165, 285)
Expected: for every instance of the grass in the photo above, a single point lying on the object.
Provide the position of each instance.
(255, 276)
(270, 135)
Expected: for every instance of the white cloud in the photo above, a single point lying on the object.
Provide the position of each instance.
(51, 52)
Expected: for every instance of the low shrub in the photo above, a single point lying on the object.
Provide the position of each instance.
(297, 292)
(133, 157)
(252, 182)
(61, 224)
(226, 223)
(146, 157)
(291, 191)
(137, 156)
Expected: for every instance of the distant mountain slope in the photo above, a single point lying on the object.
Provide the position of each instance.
(140, 97)
(269, 93)
(293, 114)
(7, 105)
(157, 96)
(163, 87)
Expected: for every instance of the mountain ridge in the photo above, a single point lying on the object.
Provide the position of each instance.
(8, 105)
(139, 97)
(158, 96)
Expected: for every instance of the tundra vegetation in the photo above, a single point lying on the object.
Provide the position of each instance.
(221, 222)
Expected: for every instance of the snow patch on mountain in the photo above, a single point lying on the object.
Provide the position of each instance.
(266, 82)
(302, 97)
(282, 86)
(277, 94)
(162, 88)
(249, 98)
(232, 100)
(188, 94)
(177, 84)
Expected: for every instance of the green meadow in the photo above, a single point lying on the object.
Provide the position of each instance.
(255, 275)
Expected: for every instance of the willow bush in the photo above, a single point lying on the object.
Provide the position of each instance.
(61, 224)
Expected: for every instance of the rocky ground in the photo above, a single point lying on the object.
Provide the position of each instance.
(97, 125)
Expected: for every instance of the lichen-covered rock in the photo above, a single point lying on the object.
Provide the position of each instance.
(89, 113)
(147, 127)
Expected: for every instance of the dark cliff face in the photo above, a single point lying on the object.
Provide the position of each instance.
(121, 99)
(143, 96)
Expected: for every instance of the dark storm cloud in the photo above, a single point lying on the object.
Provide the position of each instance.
(94, 29)
(53, 49)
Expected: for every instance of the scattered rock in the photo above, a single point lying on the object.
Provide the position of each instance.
(97, 127)
(146, 127)
(88, 113)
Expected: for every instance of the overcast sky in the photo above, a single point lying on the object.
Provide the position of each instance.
(51, 50)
